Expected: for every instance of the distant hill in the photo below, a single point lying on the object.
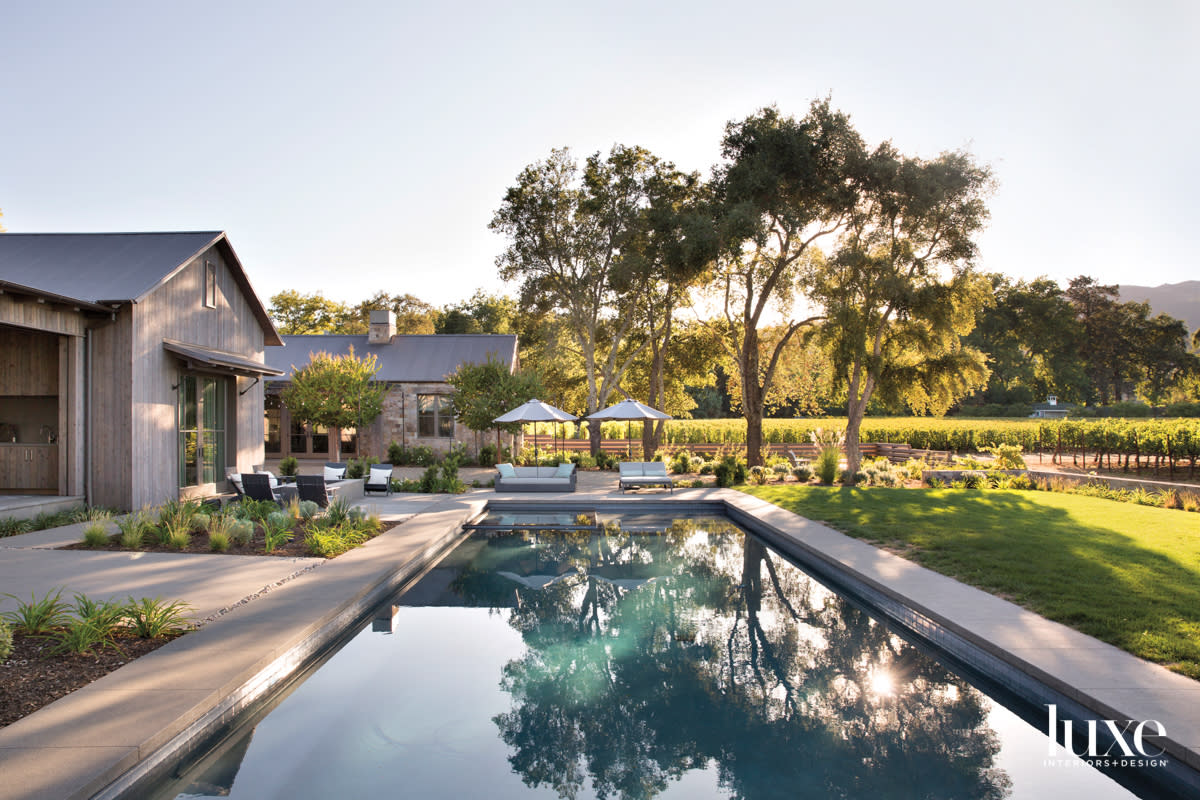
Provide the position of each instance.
(1180, 300)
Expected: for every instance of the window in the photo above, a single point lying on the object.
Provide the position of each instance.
(435, 416)
(201, 429)
(210, 284)
(271, 425)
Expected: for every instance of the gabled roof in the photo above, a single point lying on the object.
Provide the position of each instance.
(114, 268)
(408, 358)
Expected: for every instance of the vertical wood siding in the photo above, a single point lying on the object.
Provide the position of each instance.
(110, 439)
(176, 310)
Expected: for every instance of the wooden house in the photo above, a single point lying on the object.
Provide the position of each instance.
(416, 409)
(130, 365)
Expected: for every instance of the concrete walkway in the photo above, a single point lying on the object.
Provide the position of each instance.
(269, 615)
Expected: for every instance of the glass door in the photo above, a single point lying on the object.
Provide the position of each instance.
(201, 429)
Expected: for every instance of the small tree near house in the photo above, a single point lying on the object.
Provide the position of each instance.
(483, 392)
(336, 392)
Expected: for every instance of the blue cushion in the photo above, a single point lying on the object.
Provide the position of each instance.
(564, 470)
(506, 470)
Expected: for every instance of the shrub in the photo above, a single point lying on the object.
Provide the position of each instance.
(307, 509)
(826, 465)
(583, 460)
(681, 462)
(218, 542)
(154, 618)
(802, 473)
(289, 466)
(256, 510)
(1008, 456)
(934, 482)
(973, 480)
(915, 467)
(487, 455)
(758, 475)
(5, 640)
(95, 535)
(241, 531)
(707, 467)
(39, 617)
(199, 522)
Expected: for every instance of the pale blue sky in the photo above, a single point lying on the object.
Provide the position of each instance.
(353, 147)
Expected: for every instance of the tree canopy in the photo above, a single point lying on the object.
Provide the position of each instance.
(336, 392)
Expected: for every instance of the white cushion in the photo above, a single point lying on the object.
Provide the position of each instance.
(506, 470)
(332, 474)
(271, 479)
(236, 480)
(380, 474)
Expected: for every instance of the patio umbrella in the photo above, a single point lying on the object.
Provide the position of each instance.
(629, 410)
(536, 411)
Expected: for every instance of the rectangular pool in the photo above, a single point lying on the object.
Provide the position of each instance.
(687, 660)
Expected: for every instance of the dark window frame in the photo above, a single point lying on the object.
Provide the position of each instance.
(210, 284)
(436, 422)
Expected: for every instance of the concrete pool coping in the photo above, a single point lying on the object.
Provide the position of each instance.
(98, 740)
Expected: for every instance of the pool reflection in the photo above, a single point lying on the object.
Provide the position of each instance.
(652, 655)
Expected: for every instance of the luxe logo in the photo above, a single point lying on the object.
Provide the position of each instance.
(1126, 742)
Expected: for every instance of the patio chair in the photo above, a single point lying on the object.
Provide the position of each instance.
(335, 471)
(312, 487)
(235, 480)
(257, 486)
(379, 479)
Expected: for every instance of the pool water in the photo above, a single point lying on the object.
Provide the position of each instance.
(693, 662)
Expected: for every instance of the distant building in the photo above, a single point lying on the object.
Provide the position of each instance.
(417, 408)
(130, 365)
(1051, 409)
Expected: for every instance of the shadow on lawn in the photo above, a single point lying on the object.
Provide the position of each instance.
(1126, 588)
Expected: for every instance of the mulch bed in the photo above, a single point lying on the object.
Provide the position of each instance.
(32, 677)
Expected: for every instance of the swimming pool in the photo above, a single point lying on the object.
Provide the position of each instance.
(691, 661)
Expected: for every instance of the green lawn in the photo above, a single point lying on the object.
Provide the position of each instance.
(1121, 572)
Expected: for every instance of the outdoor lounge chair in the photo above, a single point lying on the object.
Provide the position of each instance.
(334, 471)
(312, 487)
(257, 486)
(235, 480)
(797, 461)
(644, 473)
(379, 479)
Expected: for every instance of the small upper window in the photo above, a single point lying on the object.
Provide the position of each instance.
(210, 284)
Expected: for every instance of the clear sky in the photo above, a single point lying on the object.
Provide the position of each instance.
(352, 147)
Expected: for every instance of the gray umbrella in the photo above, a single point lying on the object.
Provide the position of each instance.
(629, 410)
(535, 411)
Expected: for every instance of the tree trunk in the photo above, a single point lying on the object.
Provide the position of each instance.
(594, 436)
(752, 398)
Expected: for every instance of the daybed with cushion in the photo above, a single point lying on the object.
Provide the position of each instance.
(645, 473)
(535, 479)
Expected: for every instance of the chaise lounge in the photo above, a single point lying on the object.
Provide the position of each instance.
(535, 479)
(636, 474)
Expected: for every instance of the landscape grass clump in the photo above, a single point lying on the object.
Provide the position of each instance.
(277, 530)
(38, 617)
(134, 527)
(95, 535)
(152, 618)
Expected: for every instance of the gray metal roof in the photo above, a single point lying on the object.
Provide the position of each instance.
(95, 267)
(408, 358)
(111, 268)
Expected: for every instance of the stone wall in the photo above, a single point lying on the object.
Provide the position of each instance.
(398, 422)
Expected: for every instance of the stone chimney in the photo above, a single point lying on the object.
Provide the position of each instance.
(382, 327)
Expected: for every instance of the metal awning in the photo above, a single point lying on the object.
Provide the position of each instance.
(206, 358)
